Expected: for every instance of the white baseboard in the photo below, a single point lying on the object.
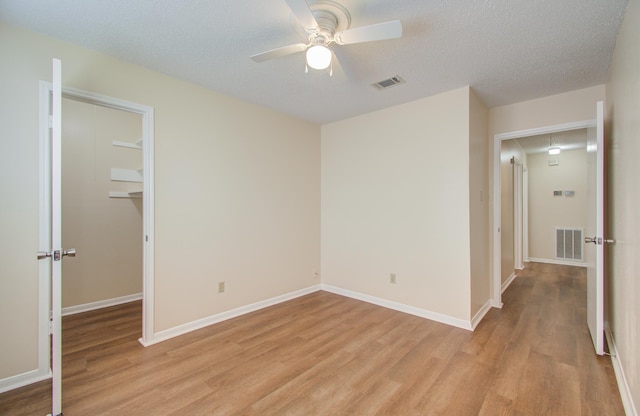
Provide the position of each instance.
(86, 307)
(560, 262)
(508, 282)
(480, 314)
(423, 313)
(623, 386)
(21, 380)
(214, 319)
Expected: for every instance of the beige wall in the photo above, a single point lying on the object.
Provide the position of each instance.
(479, 202)
(237, 190)
(508, 150)
(563, 108)
(546, 212)
(106, 232)
(19, 208)
(623, 125)
(395, 200)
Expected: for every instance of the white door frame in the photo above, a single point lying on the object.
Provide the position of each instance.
(45, 208)
(497, 142)
(525, 214)
(518, 217)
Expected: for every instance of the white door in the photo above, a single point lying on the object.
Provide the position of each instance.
(594, 240)
(55, 253)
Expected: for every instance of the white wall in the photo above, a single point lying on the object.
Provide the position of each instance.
(106, 232)
(395, 199)
(623, 122)
(546, 212)
(237, 194)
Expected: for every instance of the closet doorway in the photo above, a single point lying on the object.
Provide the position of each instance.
(99, 174)
(101, 206)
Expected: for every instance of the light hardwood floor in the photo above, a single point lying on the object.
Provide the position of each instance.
(324, 354)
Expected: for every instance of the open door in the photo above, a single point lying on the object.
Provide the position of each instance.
(594, 242)
(55, 252)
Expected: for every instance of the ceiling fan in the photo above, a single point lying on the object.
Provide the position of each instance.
(325, 22)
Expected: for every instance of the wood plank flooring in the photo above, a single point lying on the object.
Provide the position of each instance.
(324, 354)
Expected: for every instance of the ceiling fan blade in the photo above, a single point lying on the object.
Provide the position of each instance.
(279, 52)
(302, 12)
(378, 31)
(337, 70)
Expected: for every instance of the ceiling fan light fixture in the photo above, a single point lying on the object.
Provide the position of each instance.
(318, 57)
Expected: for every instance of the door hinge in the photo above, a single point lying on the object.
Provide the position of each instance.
(50, 327)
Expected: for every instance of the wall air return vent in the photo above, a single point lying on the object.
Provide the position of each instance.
(386, 83)
(569, 243)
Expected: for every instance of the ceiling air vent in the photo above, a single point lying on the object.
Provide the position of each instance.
(386, 83)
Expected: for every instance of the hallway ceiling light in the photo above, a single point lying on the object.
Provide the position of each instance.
(554, 150)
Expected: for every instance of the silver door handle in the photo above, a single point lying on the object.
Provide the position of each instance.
(609, 241)
(56, 254)
(44, 254)
(593, 240)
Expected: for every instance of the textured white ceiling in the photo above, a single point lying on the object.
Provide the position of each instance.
(507, 50)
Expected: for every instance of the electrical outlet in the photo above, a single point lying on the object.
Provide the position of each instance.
(220, 287)
(392, 278)
(316, 273)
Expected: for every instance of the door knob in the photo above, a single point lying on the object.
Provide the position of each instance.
(593, 240)
(56, 254)
(44, 254)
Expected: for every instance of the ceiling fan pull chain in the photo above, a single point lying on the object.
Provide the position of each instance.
(306, 68)
(331, 68)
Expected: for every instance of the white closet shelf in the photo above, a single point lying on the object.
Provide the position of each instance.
(136, 145)
(126, 175)
(134, 194)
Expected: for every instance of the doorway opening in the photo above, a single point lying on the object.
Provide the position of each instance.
(499, 282)
(144, 193)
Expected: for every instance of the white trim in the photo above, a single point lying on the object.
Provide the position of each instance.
(508, 282)
(497, 140)
(560, 262)
(525, 214)
(556, 128)
(423, 313)
(223, 316)
(621, 378)
(86, 307)
(477, 318)
(44, 238)
(21, 380)
(518, 214)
